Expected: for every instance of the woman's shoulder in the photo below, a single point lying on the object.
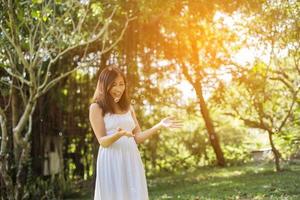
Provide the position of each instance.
(95, 107)
(131, 108)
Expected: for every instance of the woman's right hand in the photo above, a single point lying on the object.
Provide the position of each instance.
(123, 132)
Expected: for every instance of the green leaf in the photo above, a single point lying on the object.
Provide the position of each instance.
(96, 9)
(45, 18)
(37, 1)
(36, 14)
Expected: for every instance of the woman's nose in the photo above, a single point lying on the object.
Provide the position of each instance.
(119, 89)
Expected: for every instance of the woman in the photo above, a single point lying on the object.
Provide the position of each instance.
(120, 172)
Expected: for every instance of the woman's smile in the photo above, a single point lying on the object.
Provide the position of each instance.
(117, 89)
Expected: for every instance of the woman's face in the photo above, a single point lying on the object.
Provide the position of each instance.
(117, 89)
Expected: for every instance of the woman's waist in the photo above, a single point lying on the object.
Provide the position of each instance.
(124, 143)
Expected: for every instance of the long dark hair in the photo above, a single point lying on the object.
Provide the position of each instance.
(104, 84)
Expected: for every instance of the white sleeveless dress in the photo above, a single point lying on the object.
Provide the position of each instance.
(120, 172)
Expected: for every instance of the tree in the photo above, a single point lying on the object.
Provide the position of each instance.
(185, 34)
(269, 90)
(35, 36)
(191, 41)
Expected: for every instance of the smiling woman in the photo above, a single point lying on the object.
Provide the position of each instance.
(112, 87)
(117, 88)
(120, 172)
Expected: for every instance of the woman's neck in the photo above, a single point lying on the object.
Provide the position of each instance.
(116, 108)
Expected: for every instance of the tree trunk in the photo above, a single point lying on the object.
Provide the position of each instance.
(15, 117)
(25, 146)
(213, 138)
(8, 182)
(275, 152)
(22, 172)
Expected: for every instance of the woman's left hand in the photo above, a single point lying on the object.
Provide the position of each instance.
(170, 122)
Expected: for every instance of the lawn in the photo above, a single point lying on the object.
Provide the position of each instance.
(242, 182)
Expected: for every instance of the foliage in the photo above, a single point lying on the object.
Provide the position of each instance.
(44, 188)
(167, 43)
(36, 36)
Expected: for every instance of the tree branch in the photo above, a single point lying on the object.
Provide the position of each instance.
(289, 112)
(4, 135)
(23, 120)
(46, 86)
(103, 29)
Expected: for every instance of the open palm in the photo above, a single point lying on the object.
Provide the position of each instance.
(171, 122)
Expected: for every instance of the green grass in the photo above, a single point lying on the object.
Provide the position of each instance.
(242, 182)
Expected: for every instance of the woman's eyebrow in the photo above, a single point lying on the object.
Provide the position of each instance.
(119, 81)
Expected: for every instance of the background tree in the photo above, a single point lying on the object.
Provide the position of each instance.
(269, 89)
(34, 36)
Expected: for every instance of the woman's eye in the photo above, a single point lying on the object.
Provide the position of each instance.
(121, 84)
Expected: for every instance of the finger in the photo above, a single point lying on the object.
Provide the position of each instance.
(177, 123)
(129, 134)
(176, 126)
(170, 117)
(174, 117)
(177, 120)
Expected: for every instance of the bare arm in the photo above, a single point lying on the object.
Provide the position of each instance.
(140, 136)
(97, 122)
